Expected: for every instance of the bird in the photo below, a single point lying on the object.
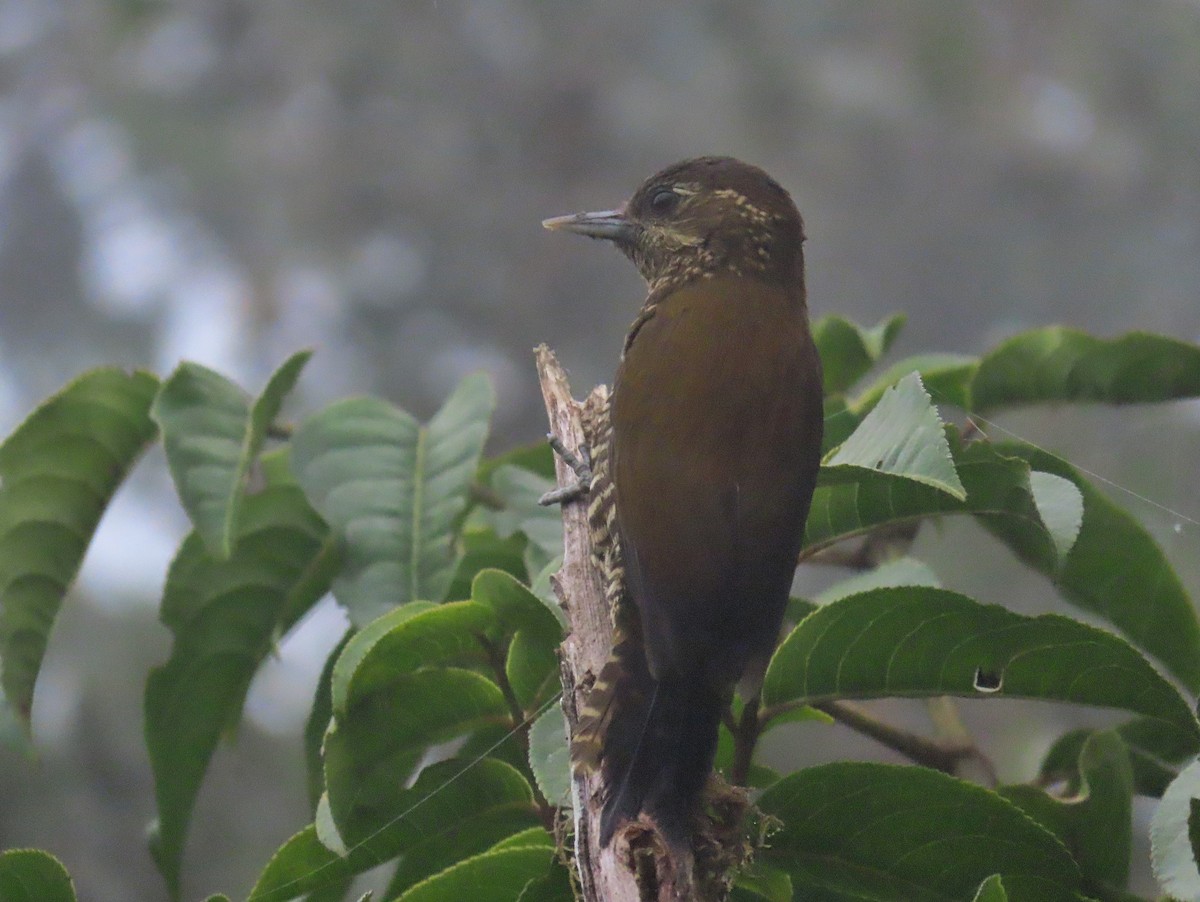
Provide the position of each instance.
(704, 459)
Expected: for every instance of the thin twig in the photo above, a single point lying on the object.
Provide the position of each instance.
(745, 738)
(495, 658)
(949, 727)
(521, 724)
(940, 754)
(881, 544)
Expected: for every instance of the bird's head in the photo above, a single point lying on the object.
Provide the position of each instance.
(699, 218)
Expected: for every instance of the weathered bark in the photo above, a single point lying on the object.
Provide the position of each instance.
(635, 867)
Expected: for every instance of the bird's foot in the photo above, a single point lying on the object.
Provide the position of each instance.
(580, 466)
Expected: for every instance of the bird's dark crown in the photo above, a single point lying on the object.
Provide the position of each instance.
(710, 215)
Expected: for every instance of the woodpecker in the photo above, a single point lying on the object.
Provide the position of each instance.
(705, 461)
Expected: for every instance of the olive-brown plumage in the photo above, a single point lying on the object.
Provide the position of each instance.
(713, 443)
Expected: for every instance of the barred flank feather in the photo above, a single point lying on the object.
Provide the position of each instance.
(627, 654)
(602, 504)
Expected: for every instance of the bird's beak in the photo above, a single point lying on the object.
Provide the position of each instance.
(611, 225)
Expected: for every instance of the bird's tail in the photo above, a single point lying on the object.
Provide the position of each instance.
(654, 739)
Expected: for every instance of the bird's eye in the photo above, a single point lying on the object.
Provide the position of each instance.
(664, 200)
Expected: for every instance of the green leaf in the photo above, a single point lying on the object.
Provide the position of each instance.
(325, 830)
(1102, 561)
(225, 615)
(536, 457)
(456, 808)
(1096, 823)
(875, 831)
(848, 350)
(501, 741)
(903, 571)
(212, 434)
(481, 548)
(798, 609)
(1170, 836)
(1116, 570)
(1060, 364)
(532, 836)
(520, 490)
(337, 893)
(1055, 363)
(532, 662)
(554, 887)
(543, 588)
(394, 491)
(58, 472)
(394, 695)
(486, 824)
(946, 377)
(406, 639)
(31, 875)
(515, 605)
(759, 880)
(373, 748)
(531, 668)
(997, 488)
(550, 757)
(494, 876)
(317, 722)
(1060, 506)
(919, 641)
(1154, 749)
(840, 423)
(1194, 828)
(902, 436)
(992, 890)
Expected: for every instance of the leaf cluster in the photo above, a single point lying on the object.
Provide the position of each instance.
(435, 744)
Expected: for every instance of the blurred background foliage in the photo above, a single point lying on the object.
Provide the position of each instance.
(226, 181)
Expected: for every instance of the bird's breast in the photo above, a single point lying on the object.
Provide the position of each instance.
(716, 416)
(722, 369)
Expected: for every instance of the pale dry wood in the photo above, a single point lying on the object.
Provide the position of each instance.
(605, 875)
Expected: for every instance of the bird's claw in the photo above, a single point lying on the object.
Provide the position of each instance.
(580, 466)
